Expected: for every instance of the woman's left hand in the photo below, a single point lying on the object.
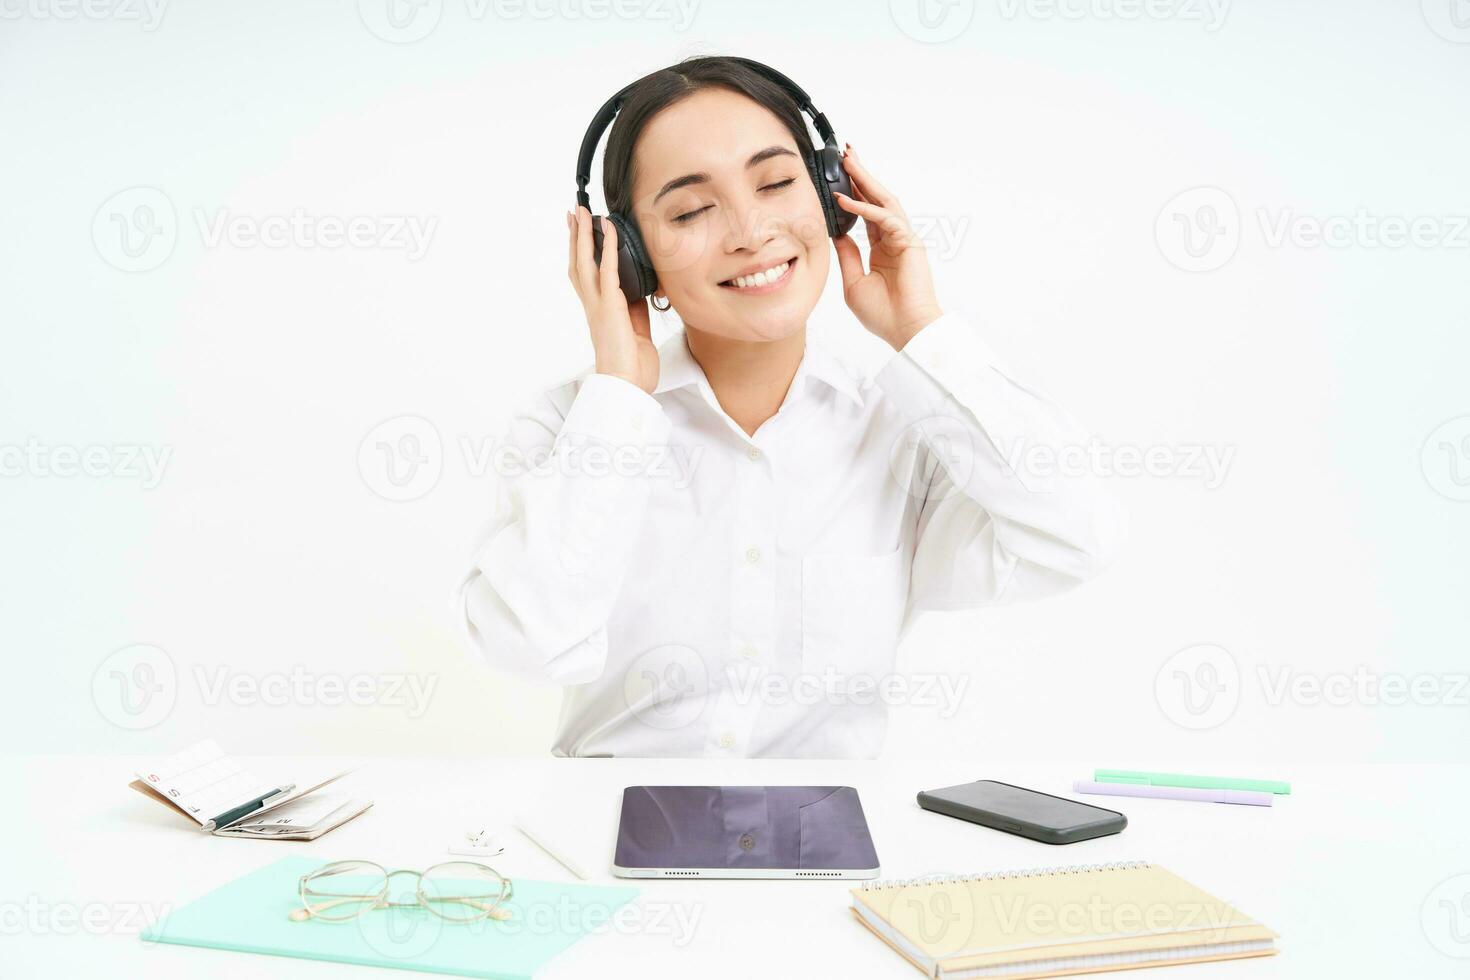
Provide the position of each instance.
(895, 298)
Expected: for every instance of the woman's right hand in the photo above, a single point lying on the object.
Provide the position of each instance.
(621, 339)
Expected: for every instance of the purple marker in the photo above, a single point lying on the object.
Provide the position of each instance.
(1245, 796)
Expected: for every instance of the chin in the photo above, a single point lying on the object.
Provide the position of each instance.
(773, 326)
(772, 317)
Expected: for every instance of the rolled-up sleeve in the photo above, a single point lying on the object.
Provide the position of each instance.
(1010, 510)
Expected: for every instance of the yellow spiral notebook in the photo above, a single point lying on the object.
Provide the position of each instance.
(1053, 922)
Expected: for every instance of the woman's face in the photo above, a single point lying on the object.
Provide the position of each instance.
(720, 191)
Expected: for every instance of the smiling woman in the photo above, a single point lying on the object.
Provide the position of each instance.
(711, 171)
(751, 603)
(736, 222)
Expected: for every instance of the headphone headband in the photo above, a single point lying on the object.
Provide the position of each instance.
(610, 108)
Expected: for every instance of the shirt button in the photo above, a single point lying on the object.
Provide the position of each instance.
(754, 452)
(727, 741)
(749, 652)
(746, 842)
(752, 555)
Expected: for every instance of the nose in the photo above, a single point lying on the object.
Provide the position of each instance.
(750, 224)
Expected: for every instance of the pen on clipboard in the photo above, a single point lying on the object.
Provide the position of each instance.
(245, 809)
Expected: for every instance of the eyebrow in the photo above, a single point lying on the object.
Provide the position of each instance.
(703, 178)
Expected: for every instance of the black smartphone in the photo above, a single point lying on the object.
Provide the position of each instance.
(1025, 812)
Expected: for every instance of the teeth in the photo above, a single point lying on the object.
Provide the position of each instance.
(763, 278)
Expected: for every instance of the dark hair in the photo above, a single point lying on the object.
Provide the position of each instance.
(668, 85)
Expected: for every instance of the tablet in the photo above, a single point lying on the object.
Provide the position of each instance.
(743, 832)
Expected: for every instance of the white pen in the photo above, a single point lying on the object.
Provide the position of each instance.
(1247, 797)
(553, 853)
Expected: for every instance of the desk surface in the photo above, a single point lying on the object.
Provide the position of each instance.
(1349, 869)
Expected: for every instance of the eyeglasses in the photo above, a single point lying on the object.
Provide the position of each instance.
(457, 891)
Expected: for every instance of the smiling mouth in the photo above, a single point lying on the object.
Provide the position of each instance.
(765, 281)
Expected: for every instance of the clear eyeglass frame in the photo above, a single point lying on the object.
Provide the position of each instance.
(373, 885)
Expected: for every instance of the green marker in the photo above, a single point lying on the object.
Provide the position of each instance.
(1194, 782)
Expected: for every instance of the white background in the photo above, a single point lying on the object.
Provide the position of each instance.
(1043, 149)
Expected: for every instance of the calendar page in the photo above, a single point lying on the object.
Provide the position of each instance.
(203, 782)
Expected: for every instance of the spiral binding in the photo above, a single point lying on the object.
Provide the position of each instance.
(1061, 869)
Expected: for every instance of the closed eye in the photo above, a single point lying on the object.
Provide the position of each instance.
(691, 215)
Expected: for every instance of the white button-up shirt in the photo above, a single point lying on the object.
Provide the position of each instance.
(703, 592)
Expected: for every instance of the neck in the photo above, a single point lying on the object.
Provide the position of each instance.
(750, 378)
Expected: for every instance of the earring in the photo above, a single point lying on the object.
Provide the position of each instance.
(662, 309)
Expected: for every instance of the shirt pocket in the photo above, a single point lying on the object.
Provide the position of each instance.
(851, 609)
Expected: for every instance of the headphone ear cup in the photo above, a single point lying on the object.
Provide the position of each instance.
(636, 277)
(829, 175)
(635, 272)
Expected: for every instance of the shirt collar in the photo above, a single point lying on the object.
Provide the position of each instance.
(677, 368)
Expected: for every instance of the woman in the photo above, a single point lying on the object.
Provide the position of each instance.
(716, 545)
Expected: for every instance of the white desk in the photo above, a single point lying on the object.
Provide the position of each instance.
(1342, 868)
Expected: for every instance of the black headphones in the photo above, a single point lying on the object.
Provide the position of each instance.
(635, 271)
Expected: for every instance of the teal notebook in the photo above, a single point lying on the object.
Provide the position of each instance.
(250, 915)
